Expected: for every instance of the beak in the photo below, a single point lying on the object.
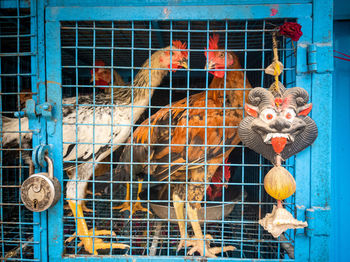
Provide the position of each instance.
(183, 63)
(211, 65)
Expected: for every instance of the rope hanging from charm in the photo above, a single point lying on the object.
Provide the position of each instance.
(277, 70)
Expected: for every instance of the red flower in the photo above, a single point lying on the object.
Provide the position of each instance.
(292, 30)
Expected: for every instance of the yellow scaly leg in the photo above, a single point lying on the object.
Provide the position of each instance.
(126, 204)
(199, 244)
(137, 205)
(90, 243)
(179, 211)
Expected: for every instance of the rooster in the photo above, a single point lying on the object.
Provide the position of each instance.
(102, 77)
(214, 190)
(89, 142)
(25, 94)
(197, 136)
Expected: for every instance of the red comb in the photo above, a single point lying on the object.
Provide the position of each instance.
(213, 45)
(214, 42)
(99, 63)
(179, 45)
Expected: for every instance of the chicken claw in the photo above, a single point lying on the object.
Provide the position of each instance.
(91, 244)
(203, 248)
(89, 192)
(135, 207)
(97, 233)
(98, 242)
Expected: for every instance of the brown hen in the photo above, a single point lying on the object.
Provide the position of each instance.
(200, 131)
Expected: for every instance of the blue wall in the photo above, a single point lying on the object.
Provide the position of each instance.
(341, 140)
(341, 9)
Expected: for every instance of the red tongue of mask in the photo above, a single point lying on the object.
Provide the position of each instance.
(278, 144)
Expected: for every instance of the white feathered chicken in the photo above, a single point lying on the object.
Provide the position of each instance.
(103, 77)
(91, 122)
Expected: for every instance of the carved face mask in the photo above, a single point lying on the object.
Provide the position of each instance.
(277, 125)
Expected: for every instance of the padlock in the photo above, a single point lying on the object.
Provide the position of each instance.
(41, 191)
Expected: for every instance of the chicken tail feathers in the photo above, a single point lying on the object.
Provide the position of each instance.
(13, 130)
(135, 165)
(16, 136)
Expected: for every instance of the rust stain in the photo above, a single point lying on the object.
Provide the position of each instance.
(274, 11)
(166, 13)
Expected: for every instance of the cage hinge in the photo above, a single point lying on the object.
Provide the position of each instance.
(319, 221)
(319, 58)
(33, 111)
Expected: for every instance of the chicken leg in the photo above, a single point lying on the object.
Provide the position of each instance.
(87, 237)
(137, 205)
(195, 192)
(198, 244)
(83, 203)
(179, 211)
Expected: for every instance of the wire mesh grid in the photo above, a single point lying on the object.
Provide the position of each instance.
(90, 52)
(16, 77)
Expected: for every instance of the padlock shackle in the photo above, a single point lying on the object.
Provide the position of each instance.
(31, 168)
(49, 166)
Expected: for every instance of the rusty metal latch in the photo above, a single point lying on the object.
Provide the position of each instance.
(33, 111)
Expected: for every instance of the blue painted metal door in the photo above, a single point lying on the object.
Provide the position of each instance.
(311, 166)
(23, 233)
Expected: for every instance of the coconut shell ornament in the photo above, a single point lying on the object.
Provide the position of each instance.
(279, 183)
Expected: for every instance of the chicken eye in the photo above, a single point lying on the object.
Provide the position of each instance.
(267, 115)
(289, 114)
(222, 55)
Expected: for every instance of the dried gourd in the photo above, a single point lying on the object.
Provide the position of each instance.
(279, 183)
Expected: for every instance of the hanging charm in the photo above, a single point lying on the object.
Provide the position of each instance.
(280, 220)
(277, 127)
(280, 184)
(277, 123)
(276, 68)
(291, 30)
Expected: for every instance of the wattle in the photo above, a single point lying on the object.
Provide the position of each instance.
(101, 83)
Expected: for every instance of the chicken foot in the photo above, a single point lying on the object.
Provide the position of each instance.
(198, 242)
(90, 243)
(135, 206)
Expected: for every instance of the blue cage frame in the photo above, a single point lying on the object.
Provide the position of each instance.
(314, 66)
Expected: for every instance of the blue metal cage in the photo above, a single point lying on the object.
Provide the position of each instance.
(51, 51)
(131, 43)
(18, 44)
